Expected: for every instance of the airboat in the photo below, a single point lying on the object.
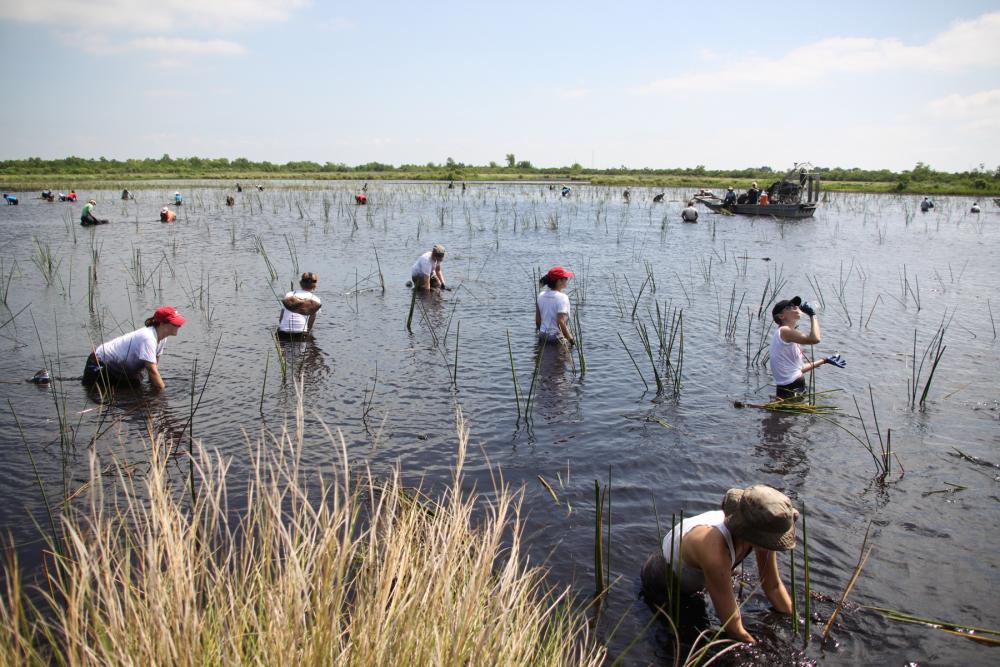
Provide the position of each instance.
(795, 195)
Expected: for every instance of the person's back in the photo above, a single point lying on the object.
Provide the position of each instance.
(550, 303)
(690, 214)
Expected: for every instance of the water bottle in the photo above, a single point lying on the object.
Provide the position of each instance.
(814, 305)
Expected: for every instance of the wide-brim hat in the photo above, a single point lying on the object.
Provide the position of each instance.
(786, 303)
(762, 516)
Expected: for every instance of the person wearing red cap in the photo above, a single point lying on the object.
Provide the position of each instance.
(121, 361)
(552, 308)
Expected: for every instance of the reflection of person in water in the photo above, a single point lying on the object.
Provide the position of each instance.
(703, 550)
(122, 360)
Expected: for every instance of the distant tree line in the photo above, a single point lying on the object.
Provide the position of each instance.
(980, 178)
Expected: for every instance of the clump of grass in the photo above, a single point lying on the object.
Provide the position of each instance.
(338, 571)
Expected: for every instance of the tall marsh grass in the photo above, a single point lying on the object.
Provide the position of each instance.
(348, 569)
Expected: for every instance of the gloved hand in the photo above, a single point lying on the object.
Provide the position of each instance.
(836, 360)
(807, 309)
(445, 288)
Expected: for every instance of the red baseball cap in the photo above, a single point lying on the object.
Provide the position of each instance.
(559, 272)
(169, 315)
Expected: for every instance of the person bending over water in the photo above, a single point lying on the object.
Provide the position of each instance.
(121, 361)
(298, 309)
(787, 362)
(426, 272)
(705, 549)
(552, 308)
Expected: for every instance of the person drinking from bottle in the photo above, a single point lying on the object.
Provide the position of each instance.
(787, 363)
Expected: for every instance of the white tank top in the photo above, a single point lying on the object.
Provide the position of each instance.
(786, 360)
(692, 579)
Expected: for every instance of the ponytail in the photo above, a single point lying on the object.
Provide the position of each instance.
(150, 322)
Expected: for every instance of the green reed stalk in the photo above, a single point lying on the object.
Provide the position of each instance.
(267, 362)
(644, 338)
(637, 369)
(609, 527)
(795, 601)
(381, 278)
(579, 342)
(454, 376)
(413, 302)
(513, 376)
(805, 562)
(598, 540)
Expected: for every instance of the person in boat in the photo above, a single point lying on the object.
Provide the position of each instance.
(658, 198)
(10, 199)
(166, 215)
(764, 198)
(730, 199)
(975, 208)
(298, 309)
(690, 214)
(566, 190)
(706, 193)
(178, 199)
(753, 194)
(552, 308)
(426, 272)
(788, 365)
(926, 205)
(87, 218)
(702, 551)
(122, 360)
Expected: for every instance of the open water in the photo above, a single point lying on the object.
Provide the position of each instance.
(884, 273)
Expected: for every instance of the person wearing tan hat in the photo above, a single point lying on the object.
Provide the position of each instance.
(426, 272)
(703, 550)
(121, 361)
(552, 308)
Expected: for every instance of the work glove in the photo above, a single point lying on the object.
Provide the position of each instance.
(807, 309)
(445, 288)
(836, 360)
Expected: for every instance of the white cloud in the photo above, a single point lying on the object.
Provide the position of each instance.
(975, 111)
(965, 44)
(146, 16)
(573, 93)
(176, 45)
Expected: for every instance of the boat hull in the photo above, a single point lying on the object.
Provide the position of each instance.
(796, 211)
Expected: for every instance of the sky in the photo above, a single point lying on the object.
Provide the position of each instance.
(641, 84)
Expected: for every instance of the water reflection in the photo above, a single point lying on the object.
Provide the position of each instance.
(305, 359)
(782, 445)
(554, 390)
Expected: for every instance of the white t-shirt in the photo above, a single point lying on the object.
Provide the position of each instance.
(425, 266)
(550, 304)
(292, 322)
(129, 353)
(786, 360)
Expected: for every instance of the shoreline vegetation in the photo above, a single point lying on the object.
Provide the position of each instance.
(347, 568)
(37, 174)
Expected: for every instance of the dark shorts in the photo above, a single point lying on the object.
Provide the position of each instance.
(94, 373)
(792, 389)
(293, 335)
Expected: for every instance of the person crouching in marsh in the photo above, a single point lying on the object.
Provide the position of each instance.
(787, 362)
(552, 308)
(701, 553)
(166, 215)
(120, 361)
(87, 215)
(298, 309)
(230, 200)
(426, 272)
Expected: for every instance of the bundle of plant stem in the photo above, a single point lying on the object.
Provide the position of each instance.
(314, 571)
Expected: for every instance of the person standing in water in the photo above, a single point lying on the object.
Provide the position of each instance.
(426, 271)
(787, 362)
(121, 361)
(298, 309)
(552, 309)
(705, 549)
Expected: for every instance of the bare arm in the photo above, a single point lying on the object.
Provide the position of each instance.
(562, 319)
(312, 321)
(154, 376)
(440, 275)
(719, 583)
(770, 580)
(790, 335)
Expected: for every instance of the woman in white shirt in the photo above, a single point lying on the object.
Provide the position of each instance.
(552, 308)
(426, 272)
(121, 361)
(298, 309)
(787, 362)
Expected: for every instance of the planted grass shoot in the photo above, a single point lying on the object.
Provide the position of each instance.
(46, 262)
(336, 572)
(932, 353)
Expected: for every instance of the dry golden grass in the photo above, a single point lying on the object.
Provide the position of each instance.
(345, 571)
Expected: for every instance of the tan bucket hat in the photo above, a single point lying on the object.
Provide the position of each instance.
(762, 516)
